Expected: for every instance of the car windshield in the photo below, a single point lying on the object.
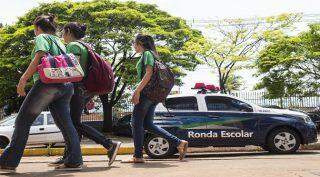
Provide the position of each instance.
(8, 121)
(245, 101)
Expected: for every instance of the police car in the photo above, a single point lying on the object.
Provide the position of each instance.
(213, 119)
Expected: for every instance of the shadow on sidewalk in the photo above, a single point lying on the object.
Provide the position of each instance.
(157, 164)
(53, 173)
(225, 156)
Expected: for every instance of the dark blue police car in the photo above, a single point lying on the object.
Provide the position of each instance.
(221, 120)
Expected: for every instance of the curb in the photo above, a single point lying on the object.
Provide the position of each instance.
(129, 150)
(84, 150)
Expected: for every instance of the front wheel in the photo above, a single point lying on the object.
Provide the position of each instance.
(283, 141)
(158, 147)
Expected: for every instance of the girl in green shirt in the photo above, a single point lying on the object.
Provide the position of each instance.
(54, 96)
(72, 33)
(143, 111)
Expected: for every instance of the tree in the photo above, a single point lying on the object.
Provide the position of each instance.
(236, 43)
(290, 65)
(234, 83)
(111, 27)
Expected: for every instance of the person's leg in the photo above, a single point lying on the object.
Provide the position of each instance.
(60, 111)
(138, 115)
(36, 101)
(181, 145)
(152, 128)
(77, 104)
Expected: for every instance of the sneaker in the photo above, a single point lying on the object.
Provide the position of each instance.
(64, 167)
(113, 151)
(7, 169)
(56, 163)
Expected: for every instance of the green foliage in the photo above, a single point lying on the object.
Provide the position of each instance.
(234, 83)
(111, 27)
(290, 65)
(236, 43)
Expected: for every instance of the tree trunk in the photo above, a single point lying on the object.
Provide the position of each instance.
(223, 86)
(107, 114)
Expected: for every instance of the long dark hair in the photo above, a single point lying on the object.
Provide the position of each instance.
(76, 29)
(147, 42)
(46, 23)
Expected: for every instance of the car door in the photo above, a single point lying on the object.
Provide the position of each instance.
(54, 134)
(37, 131)
(184, 118)
(231, 120)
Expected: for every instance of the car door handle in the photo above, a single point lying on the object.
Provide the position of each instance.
(214, 116)
(41, 128)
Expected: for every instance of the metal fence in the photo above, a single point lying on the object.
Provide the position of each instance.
(293, 102)
(256, 97)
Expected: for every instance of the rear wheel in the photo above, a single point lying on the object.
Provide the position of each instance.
(3, 142)
(158, 147)
(283, 140)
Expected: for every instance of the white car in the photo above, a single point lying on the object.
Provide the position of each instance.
(43, 130)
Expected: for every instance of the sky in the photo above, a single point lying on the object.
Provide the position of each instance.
(196, 9)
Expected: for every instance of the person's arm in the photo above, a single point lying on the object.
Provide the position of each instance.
(146, 78)
(32, 68)
(41, 47)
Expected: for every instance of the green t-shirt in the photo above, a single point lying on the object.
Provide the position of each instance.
(81, 51)
(44, 43)
(148, 59)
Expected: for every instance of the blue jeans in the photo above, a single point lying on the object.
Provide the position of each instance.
(77, 105)
(142, 119)
(57, 98)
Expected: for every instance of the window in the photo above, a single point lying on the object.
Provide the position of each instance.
(182, 103)
(50, 119)
(216, 103)
(38, 121)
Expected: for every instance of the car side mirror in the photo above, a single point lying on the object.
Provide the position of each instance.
(246, 107)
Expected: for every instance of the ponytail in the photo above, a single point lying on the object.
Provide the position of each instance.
(147, 43)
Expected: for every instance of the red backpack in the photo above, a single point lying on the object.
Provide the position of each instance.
(100, 78)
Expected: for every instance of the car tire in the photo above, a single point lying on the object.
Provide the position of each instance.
(3, 142)
(283, 141)
(157, 147)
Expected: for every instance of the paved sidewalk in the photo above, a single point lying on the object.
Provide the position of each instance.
(196, 165)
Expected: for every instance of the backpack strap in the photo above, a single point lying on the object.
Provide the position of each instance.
(85, 45)
(143, 66)
(59, 48)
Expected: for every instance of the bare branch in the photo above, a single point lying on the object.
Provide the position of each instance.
(113, 95)
(120, 94)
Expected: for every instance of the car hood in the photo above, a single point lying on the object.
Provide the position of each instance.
(6, 128)
(281, 111)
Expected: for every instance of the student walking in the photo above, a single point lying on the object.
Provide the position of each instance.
(55, 96)
(73, 32)
(143, 112)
